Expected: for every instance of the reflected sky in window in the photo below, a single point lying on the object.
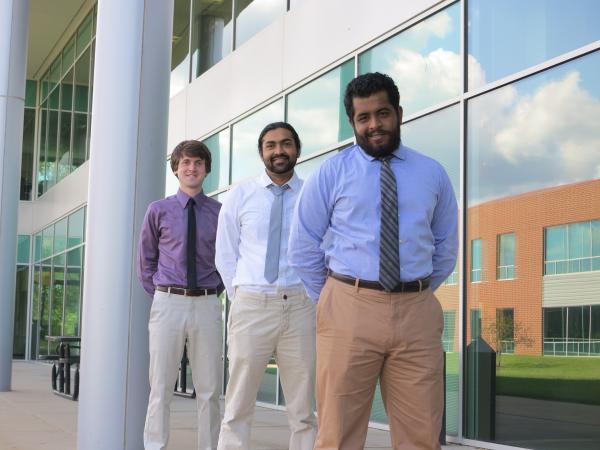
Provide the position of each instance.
(303, 170)
(246, 161)
(438, 135)
(317, 110)
(218, 144)
(539, 132)
(501, 42)
(423, 60)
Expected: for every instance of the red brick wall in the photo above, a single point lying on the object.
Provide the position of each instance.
(525, 215)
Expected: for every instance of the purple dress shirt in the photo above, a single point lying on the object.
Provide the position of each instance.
(162, 246)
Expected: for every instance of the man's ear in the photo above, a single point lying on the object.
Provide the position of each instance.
(399, 114)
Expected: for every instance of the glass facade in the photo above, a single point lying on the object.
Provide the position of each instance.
(57, 282)
(64, 104)
(424, 60)
(511, 114)
(533, 198)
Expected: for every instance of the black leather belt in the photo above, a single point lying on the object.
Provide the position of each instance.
(403, 286)
(198, 292)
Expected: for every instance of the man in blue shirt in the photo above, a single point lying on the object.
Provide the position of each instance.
(390, 217)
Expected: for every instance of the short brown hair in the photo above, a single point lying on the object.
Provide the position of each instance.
(190, 148)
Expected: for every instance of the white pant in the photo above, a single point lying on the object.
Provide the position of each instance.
(173, 318)
(261, 326)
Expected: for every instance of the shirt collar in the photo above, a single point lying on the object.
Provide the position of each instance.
(399, 153)
(295, 183)
(183, 198)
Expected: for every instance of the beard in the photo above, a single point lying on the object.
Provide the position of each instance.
(278, 168)
(382, 150)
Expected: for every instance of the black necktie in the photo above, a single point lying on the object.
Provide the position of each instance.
(389, 258)
(191, 245)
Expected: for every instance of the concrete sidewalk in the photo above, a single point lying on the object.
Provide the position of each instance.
(32, 418)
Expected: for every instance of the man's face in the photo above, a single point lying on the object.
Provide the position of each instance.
(191, 172)
(279, 152)
(376, 124)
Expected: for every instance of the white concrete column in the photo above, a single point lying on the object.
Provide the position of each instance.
(14, 17)
(127, 172)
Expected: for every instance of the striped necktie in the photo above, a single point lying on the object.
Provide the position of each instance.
(389, 258)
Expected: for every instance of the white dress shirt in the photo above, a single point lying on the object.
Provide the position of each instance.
(242, 236)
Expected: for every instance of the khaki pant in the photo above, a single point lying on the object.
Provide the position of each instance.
(173, 318)
(261, 326)
(363, 335)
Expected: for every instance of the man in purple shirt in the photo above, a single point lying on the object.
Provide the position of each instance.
(176, 267)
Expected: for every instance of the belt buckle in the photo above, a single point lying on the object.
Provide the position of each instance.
(169, 290)
(205, 292)
(420, 284)
(185, 292)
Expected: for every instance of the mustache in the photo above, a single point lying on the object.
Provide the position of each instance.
(382, 132)
(274, 157)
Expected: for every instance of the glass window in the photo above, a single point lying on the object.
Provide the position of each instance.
(212, 34)
(58, 291)
(572, 248)
(76, 228)
(68, 55)
(60, 236)
(180, 47)
(73, 287)
(508, 156)
(506, 256)
(64, 146)
(47, 241)
(80, 106)
(438, 135)
(511, 35)
(449, 330)
(20, 315)
(317, 112)
(30, 93)
(305, 168)
(44, 311)
(218, 178)
(531, 161)
(37, 247)
(51, 146)
(41, 169)
(23, 249)
(84, 34)
(476, 261)
(35, 312)
(27, 154)
(251, 16)
(424, 60)
(505, 330)
(245, 158)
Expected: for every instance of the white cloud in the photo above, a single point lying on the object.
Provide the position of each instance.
(556, 125)
(523, 140)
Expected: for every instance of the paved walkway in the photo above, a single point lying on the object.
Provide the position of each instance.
(32, 418)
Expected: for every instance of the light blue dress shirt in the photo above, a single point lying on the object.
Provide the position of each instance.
(337, 219)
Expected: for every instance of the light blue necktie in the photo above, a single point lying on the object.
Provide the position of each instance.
(274, 242)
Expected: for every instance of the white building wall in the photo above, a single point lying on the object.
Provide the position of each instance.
(571, 289)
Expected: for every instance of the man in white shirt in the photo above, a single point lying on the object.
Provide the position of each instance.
(270, 314)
